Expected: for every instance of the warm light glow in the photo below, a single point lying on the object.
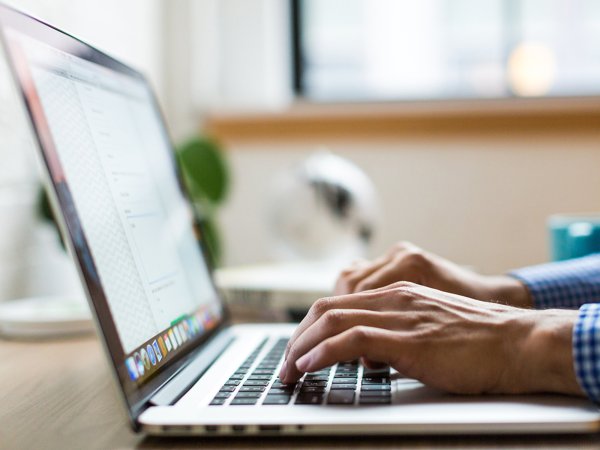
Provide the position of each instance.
(531, 69)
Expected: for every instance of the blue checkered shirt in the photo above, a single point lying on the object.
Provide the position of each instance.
(573, 284)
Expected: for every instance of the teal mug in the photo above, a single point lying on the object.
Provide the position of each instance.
(574, 235)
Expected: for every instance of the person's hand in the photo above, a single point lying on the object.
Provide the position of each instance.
(444, 340)
(407, 262)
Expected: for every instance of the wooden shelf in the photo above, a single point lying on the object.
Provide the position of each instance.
(395, 120)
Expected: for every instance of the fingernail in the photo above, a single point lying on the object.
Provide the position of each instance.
(303, 363)
(283, 370)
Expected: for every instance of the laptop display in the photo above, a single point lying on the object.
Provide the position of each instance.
(114, 176)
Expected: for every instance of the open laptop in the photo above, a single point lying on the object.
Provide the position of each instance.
(178, 364)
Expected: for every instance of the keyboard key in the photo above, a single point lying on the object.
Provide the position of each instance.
(345, 375)
(340, 397)
(260, 377)
(376, 373)
(244, 401)
(376, 387)
(316, 378)
(375, 400)
(252, 388)
(312, 389)
(309, 399)
(248, 394)
(277, 399)
(314, 383)
(256, 382)
(375, 380)
(280, 384)
(343, 386)
(218, 401)
(227, 389)
(223, 395)
(232, 382)
(237, 376)
(375, 393)
(285, 391)
(344, 380)
(263, 372)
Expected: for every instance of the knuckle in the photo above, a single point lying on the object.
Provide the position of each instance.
(418, 260)
(404, 286)
(403, 246)
(360, 334)
(321, 306)
(333, 317)
(347, 272)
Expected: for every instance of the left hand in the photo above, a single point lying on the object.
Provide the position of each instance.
(444, 340)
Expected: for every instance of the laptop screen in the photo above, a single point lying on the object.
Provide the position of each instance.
(111, 164)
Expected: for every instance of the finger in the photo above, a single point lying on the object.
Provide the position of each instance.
(330, 324)
(349, 278)
(375, 344)
(371, 300)
(373, 365)
(386, 275)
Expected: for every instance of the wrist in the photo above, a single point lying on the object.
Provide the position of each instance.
(546, 353)
(508, 290)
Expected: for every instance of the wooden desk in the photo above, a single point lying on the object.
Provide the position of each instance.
(58, 395)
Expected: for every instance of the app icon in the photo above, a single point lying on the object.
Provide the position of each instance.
(173, 338)
(145, 359)
(177, 335)
(207, 319)
(186, 329)
(156, 348)
(182, 332)
(161, 344)
(151, 354)
(198, 320)
(131, 368)
(167, 341)
(193, 325)
(139, 363)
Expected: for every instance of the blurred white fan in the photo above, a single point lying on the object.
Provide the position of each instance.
(324, 209)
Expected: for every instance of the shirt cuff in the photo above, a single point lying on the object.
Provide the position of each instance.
(586, 350)
(564, 284)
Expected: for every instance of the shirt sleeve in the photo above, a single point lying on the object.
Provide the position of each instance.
(586, 350)
(563, 284)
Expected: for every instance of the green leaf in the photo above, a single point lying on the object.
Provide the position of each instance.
(205, 169)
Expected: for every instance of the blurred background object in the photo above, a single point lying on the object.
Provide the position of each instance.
(325, 209)
(206, 175)
(475, 120)
(398, 50)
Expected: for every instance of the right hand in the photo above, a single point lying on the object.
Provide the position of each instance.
(407, 262)
(446, 341)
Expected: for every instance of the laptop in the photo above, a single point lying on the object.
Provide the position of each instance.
(180, 366)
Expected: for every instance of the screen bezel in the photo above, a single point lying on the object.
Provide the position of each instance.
(135, 396)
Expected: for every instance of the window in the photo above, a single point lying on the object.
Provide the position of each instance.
(445, 49)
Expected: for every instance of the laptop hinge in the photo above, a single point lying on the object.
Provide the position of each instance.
(175, 388)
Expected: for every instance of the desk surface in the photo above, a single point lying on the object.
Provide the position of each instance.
(59, 395)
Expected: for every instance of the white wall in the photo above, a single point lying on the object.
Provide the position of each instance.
(481, 201)
(30, 260)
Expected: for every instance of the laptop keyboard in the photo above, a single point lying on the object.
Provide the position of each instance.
(346, 383)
